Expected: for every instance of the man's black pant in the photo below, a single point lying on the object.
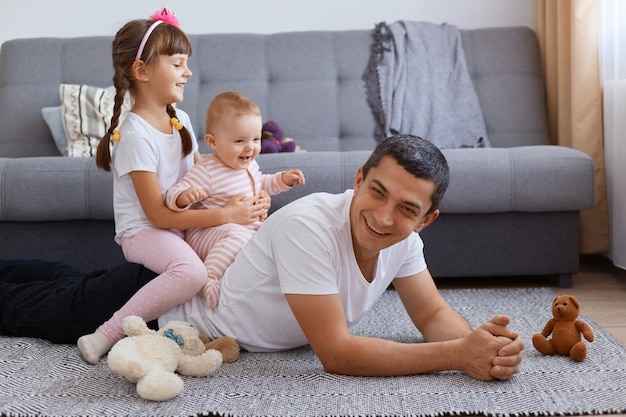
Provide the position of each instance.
(53, 301)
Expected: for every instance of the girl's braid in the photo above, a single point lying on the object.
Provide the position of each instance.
(184, 133)
(103, 155)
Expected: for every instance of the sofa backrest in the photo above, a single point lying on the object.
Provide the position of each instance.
(308, 82)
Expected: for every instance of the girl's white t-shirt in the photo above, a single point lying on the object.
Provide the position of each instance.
(302, 248)
(144, 148)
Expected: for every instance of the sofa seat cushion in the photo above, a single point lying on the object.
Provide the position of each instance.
(54, 188)
(488, 180)
(538, 178)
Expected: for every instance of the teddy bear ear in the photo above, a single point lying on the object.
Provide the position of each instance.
(574, 301)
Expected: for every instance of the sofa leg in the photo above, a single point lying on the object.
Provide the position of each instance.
(564, 280)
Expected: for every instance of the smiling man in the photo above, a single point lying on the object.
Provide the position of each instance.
(318, 264)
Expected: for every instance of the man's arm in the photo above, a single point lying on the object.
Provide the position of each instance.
(322, 320)
(439, 322)
(430, 313)
(451, 343)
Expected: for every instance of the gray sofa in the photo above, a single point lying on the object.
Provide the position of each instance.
(511, 210)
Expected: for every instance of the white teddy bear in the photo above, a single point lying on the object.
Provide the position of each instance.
(150, 358)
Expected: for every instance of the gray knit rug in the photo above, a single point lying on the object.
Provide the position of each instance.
(41, 379)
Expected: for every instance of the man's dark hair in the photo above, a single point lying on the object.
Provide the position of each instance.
(419, 157)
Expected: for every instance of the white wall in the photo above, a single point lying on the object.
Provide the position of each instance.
(68, 18)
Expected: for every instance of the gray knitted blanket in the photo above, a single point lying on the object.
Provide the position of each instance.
(417, 82)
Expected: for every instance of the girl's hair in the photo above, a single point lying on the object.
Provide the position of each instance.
(165, 39)
(230, 102)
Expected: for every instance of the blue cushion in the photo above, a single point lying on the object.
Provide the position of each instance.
(54, 120)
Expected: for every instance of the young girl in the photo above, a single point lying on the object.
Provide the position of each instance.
(153, 148)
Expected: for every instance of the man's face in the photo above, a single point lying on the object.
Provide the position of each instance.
(388, 206)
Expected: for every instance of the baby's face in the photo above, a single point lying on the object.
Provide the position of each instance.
(236, 141)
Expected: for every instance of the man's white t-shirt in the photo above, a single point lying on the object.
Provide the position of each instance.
(144, 148)
(302, 248)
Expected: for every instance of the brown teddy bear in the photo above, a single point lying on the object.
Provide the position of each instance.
(565, 330)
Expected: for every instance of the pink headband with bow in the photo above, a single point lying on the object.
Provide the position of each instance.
(160, 16)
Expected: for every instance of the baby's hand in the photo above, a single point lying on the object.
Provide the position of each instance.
(293, 177)
(189, 196)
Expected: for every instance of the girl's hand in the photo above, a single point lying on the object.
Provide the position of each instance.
(293, 177)
(243, 210)
(190, 196)
(264, 201)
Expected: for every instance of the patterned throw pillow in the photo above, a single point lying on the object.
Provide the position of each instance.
(87, 113)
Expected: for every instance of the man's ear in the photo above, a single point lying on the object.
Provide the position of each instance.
(428, 219)
(358, 180)
(209, 139)
(139, 70)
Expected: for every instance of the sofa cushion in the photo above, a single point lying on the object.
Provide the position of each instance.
(54, 119)
(487, 180)
(309, 81)
(58, 189)
(524, 179)
(87, 112)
